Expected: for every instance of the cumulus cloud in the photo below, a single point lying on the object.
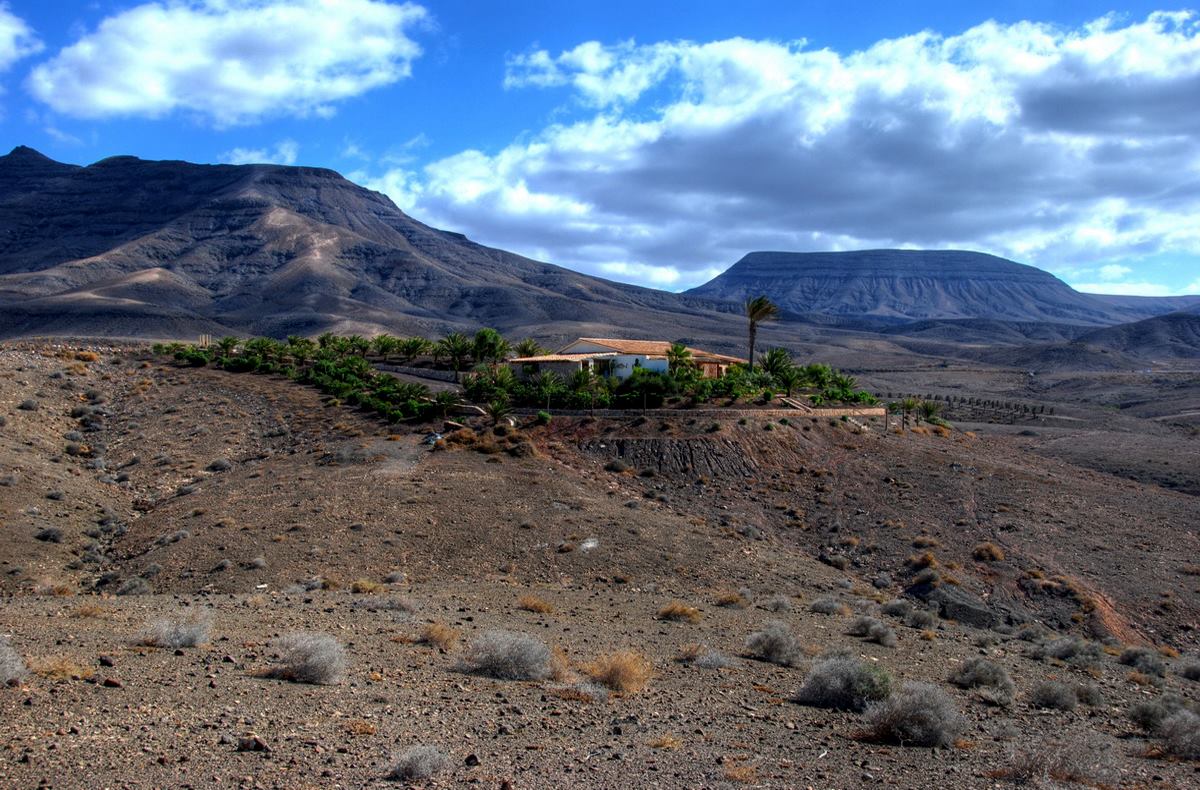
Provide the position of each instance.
(283, 153)
(1053, 146)
(17, 39)
(231, 61)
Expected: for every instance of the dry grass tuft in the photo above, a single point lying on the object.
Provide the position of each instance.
(678, 611)
(59, 668)
(532, 603)
(90, 610)
(666, 741)
(988, 552)
(744, 774)
(731, 599)
(360, 727)
(439, 635)
(367, 587)
(626, 671)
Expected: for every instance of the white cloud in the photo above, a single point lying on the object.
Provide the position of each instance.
(1053, 146)
(1114, 271)
(17, 39)
(231, 61)
(284, 153)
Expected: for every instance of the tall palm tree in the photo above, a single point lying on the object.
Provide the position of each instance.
(490, 346)
(759, 309)
(412, 347)
(455, 347)
(228, 344)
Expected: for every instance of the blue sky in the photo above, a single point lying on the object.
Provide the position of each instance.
(657, 142)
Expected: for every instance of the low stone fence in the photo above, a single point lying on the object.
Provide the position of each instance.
(424, 373)
(879, 412)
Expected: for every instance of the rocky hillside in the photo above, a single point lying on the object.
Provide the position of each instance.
(914, 285)
(140, 248)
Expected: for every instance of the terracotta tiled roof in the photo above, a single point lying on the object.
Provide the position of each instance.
(656, 348)
(563, 357)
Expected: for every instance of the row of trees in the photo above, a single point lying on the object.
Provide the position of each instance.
(337, 366)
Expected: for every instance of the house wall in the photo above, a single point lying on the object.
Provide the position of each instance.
(564, 369)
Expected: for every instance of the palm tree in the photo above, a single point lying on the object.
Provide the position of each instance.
(929, 410)
(759, 309)
(490, 346)
(776, 361)
(679, 358)
(547, 384)
(789, 378)
(383, 345)
(530, 348)
(228, 344)
(412, 347)
(443, 401)
(301, 349)
(498, 410)
(455, 347)
(908, 406)
(818, 376)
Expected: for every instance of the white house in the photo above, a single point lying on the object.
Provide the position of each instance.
(617, 358)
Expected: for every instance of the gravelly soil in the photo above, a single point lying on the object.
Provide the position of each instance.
(316, 491)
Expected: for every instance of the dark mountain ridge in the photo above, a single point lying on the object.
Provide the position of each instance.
(915, 285)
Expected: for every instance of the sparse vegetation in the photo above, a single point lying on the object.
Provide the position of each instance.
(843, 682)
(418, 762)
(1087, 762)
(919, 714)
(991, 680)
(1180, 734)
(988, 552)
(1052, 695)
(439, 635)
(1144, 660)
(176, 633)
(775, 643)
(12, 666)
(532, 603)
(309, 658)
(872, 630)
(1189, 668)
(625, 671)
(678, 611)
(507, 655)
(829, 606)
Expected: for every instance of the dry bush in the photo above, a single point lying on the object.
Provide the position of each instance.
(1051, 695)
(1144, 660)
(367, 587)
(309, 658)
(1189, 668)
(174, 634)
(625, 671)
(842, 682)
(507, 655)
(919, 562)
(896, 608)
(988, 552)
(418, 762)
(778, 603)
(1180, 734)
(992, 680)
(678, 611)
(829, 606)
(872, 630)
(90, 610)
(774, 643)
(1150, 714)
(12, 666)
(438, 635)
(925, 542)
(920, 618)
(59, 668)
(702, 656)
(1051, 763)
(532, 603)
(919, 714)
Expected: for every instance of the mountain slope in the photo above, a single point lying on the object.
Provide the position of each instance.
(1175, 336)
(149, 248)
(908, 284)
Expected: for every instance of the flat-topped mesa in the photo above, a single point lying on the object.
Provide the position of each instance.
(906, 284)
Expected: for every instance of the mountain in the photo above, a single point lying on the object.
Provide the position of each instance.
(910, 284)
(1175, 336)
(171, 249)
(1138, 307)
